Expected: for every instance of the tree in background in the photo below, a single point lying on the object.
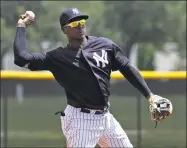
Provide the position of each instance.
(10, 11)
(150, 24)
(147, 22)
(50, 27)
(46, 29)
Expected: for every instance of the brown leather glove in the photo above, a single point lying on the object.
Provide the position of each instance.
(160, 108)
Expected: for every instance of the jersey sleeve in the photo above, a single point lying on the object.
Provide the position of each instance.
(22, 58)
(119, 59)
(39, 62)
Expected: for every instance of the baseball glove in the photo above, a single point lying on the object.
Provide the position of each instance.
(160, 108)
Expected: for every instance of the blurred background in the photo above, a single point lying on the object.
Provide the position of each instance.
(153, 37)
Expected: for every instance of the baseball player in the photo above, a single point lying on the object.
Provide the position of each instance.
(83, 69)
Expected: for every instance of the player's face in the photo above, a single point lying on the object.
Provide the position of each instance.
(76, 29)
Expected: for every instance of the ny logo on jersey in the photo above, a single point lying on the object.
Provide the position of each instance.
(75, 11)
(101, 59)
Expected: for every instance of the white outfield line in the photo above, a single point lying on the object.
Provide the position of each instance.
(32, 134)
(47, 134)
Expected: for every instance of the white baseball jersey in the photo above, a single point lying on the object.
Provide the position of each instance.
(84, 130)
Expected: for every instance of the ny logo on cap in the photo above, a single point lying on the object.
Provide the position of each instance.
(75, 11)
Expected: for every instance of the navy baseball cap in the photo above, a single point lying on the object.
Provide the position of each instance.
(70, 14)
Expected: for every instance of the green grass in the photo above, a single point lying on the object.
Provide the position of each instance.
(33, 123)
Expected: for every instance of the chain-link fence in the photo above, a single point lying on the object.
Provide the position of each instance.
(28, 119)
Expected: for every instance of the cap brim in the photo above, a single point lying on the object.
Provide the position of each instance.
(77, 17)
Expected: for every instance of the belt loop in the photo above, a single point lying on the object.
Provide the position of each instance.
(92, 111)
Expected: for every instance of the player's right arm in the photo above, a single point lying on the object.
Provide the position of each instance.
(33, 61)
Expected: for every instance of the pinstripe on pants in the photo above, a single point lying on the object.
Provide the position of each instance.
(86, 130)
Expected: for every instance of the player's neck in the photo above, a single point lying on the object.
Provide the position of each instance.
(77, 43)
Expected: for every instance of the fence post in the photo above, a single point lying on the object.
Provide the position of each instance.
(19, 93)
(139, 121)
(4, 108)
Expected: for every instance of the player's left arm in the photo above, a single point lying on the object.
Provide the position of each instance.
(132, 74)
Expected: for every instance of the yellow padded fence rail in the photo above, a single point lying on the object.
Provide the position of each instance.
(45, 75)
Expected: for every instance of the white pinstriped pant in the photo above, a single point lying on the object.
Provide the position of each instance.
(84, 130)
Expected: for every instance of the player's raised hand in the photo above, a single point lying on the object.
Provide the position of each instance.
(27, 18)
